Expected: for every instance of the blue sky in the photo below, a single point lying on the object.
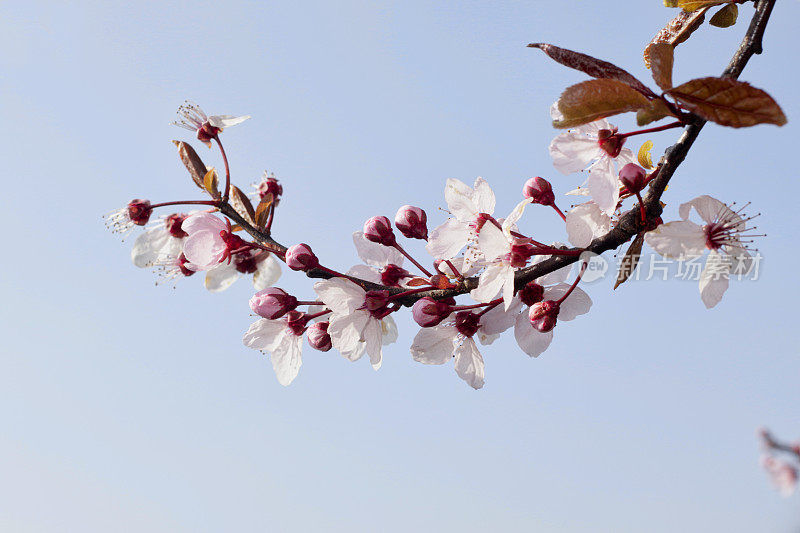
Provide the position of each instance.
(130, 407)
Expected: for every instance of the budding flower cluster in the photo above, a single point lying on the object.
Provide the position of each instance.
(318, 336)
(543, 315)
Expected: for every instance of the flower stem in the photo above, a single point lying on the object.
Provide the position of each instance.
(214, 203)
(574, 283)
(676, 124)
(559, 211)
(408, 256)
(227, 170)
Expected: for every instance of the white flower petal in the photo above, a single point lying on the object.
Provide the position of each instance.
(221, 277)
(710, 209)
(585, 222)
(374, 254)
(202, 221)
(389, 330)
(492, 242)
(530, 340)
(577, 303)
(147, 246)
(491, 281)
(265, 334)
(226, 121)
(364, 272)
(681, 238)
(373, 337)
(347, 332)
(340, 295)
(714, 278)
(498, 319)
(446, 240)
(458, 196)
(469, 363)
(204, 249)
(434, 346)
(484, 196)
(603, 185)
(573, 150)
(287, 358)
(267, 274)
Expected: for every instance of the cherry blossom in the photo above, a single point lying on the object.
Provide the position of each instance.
(724, 234)
(468, 205)
(504, 254)
(283, 340)
(262, 265)
(356, 326)
(161, 240)
(454, 339)
(593, 147)
(209, 242)
(136, 213)
(383, 265)
(192, 118)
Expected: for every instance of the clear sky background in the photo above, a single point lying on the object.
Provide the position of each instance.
(130, 407)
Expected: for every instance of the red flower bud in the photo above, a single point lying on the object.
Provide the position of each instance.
(173, 224)
(139, 211)
(531, 293)
(633, 177)
(543, 315)
(318, 336)
(428, 312)
(539, 191)
(412, 222)
(609, 142)
(391, 275)
(300, 257)
(467, 323)
(375, 301)
(272, 303)
(270, 185)
(379, 229)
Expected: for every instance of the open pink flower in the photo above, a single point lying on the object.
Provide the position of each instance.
(209, 242)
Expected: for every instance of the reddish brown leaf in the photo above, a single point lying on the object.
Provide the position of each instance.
(592, 66)
(417, 282)
(241, 204)
(595, 99)
(728, 102)
(262, 211)
(655, 110)
(192, 162)
(661, 58)
(631, 260)
(676, 31)
(725, 17)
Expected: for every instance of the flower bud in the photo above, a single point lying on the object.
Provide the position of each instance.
(376, 300)
(379, 229)
(520, 253)
(412, 222)
(610, 142)
(300, 257)
(173, 224)
(531, 293)
(272, 303)
(428, 312)
(543, 315)
(467, 323)
(270, 185)
(318, 336)
(391, 275)
(139, 211)
(633, 177)
(539, 191)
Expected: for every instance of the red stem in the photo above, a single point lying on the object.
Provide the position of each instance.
(676, 124)
(214, 203)
(227, 169)
(408, 256)
(560, 213)
(574, 283)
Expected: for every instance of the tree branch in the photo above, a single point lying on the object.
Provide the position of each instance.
(630, 223)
